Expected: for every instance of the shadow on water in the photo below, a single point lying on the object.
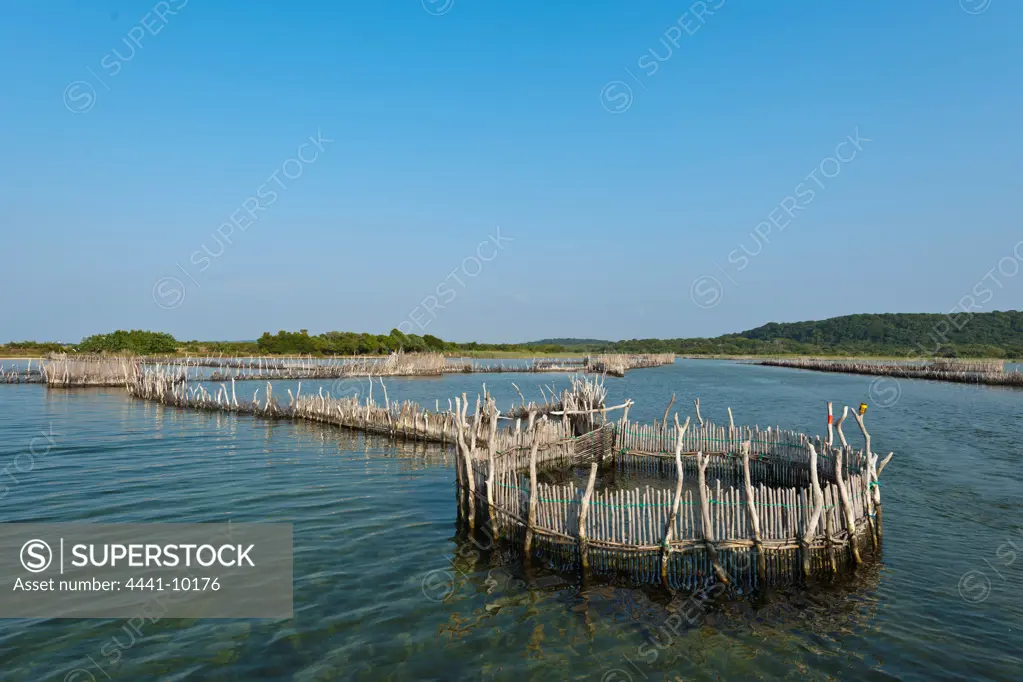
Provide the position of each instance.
(495, 570)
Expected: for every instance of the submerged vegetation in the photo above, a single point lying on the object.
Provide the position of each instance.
(908, 335)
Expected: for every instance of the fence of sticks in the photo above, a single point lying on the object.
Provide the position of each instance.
(585, 394)
(28, 375)
(88, 370)
(738, 505)
(617, 364)
(988, 372)
(396, 419)
(81, 370)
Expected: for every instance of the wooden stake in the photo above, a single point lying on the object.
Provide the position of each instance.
(491, 447)
(708, 529)
(531, 518)
(810, 532)
(877, 491)
(664, 421)
(670, 524)
(584, 511)
(754, 516)
(831, 433)
(470, 476)
(873, 496)
(829, 539)
(843, 494)
(838, 426)
(698, 417)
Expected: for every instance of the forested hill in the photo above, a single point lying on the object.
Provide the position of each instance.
(994, 334)
(900, 329)
(988, 335)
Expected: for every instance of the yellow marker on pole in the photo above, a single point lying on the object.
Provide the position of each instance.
(863, 408)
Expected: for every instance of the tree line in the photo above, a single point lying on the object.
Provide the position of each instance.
(994, 335)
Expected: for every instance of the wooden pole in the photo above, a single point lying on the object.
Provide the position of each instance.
(838, 426)
(877, 490)
(831, 433)
(698, 417)
(708, 528)
(584, 511)
(810, 532)
(664, 422)
(670, 524)
(531, 518)
(873, 495)
(470, 476)
(754, 516)
(829, 539)
(475, 423)
(491, 447)
(459, 467)
(843, 495)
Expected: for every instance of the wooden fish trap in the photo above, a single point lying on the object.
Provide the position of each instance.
(64, 371)
(987, 372)
(395, 419)
(28, 375)
(617, 364)
(734, 504)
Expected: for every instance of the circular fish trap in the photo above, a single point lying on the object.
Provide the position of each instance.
(678, 505)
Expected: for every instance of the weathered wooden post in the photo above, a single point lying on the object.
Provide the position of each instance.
(664, 421)
(584, 512)
(669, 526)
(491, 465)
(810, 532)
(754, 517)
(877, 490)
(708, 528)
(470, 475)
(531, 516)
(831, 433)
(843, 495)
(475, 423)
(870, 480)
(838, 426)
(460, 484)
(696, 402)
(829, 541)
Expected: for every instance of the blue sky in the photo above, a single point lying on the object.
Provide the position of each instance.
(628, 182)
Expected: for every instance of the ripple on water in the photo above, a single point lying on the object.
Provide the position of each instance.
(372, 520)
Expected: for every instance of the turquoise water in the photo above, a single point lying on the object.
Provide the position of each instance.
(386, 590)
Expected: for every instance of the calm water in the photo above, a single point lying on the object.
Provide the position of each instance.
(385, 591)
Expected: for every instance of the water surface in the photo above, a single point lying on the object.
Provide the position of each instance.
(384, 590)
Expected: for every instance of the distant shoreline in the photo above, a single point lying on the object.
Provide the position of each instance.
(498, 355)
